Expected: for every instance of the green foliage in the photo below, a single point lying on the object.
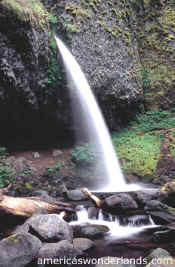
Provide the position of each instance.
(138, 146)
(83, 155)
(155, 119)
(133, 1)
(31, 10)
(26, 172)
(55, 169)
(145, 78)
(6, 176)
(71, 28)
(54, 70)
(139, 153)
(52, 18)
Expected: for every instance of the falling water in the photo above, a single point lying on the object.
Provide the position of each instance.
(118, 227)
(95, 127)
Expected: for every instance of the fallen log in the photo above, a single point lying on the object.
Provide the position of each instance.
(97, 201)
(27, 206)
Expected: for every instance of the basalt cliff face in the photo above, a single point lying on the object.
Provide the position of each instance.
(29, 110)
(125, 48)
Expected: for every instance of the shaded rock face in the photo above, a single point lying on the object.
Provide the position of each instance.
(105, 47)
(120, 203)
(102, 42)
(27, 106)
(58, 250)
(155, 35)
(18, 250)
(50, 228)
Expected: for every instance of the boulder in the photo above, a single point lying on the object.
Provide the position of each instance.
(113, 262)
(63, 249)
(57, 153)
(18, 250)
(75, 195)
(50, 228)
(162, 262)
(158, 253)
(161, 213)
(162, 236)
(83, 243)
(120, 203)
(142, 197)
(91, 231)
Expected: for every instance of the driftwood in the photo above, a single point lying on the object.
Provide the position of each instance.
(27, 206)
(97, 201)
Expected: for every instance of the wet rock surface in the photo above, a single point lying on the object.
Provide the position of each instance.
(91, 231)
(83, 244)
(120, 203)
(18, 250)
(62, 249)
(50, 228)
(161, 213)
(60, 239)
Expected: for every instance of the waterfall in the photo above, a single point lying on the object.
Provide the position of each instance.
(119, 226)
(88, 112)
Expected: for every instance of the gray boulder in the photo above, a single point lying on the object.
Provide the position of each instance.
(50, 228)
(158, 253)
(120, 203)
(83, 243)
(75, 195)
(18, 250)
(91, 231)
(112, 261)
(60, 250)
(161, 213)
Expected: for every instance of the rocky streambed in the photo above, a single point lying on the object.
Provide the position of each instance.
(54, 239)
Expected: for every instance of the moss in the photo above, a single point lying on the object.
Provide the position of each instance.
(28, 10)
(156, 35)
(168, 188)
(14, 238)
(28, 186)
(77, 11)
(139, 146)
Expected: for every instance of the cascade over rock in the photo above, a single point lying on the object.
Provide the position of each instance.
(121, 46)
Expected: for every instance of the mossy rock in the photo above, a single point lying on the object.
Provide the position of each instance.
(168, 188)
(27, 11)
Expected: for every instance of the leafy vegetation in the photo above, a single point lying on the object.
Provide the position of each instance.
(145, 78)
(138, 146)
(83, 155)
(155, 120)
(139, 154)
(26, 172)
(54, 168)
(6, 176)
(31, 10)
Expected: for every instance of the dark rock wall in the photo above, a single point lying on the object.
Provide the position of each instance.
(155, 32)
(125, 49)
(29, 111)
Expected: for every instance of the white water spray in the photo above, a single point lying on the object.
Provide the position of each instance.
(96, 129)
(134, 224)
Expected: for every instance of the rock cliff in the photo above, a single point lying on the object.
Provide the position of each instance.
(125, 48)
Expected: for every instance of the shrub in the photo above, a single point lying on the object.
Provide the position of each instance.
(139, 154)
(83, 155)
(6, 176)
